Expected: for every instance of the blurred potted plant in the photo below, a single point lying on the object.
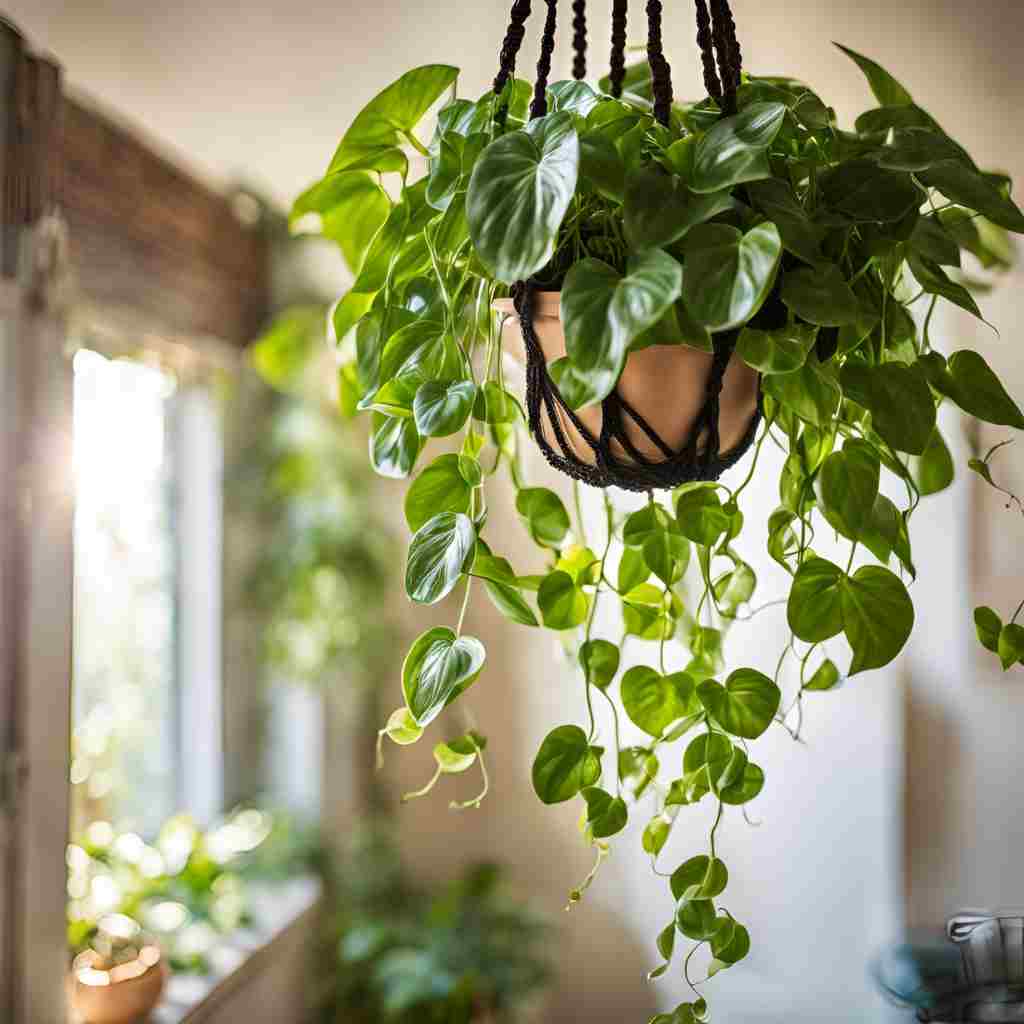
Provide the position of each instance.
(457, 954)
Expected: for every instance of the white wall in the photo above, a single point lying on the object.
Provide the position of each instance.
(265, 95)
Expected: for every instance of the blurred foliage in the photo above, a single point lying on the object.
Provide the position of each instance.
(185, 888)
(460, 952)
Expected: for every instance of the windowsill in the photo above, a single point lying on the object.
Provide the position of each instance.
(276, 909)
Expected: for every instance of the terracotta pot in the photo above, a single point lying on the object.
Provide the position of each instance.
(666, 384)
(121, 995)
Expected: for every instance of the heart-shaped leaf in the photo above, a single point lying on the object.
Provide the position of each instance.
(520, 188)
(735, 149)
(901, 406)
(848, 481)
(438, 667)
(988, 626)
(978, 391)
(565, 764)
(438, 554)
(877, 616)
(696, 919)
(820, 296)
(653, 701)
(441, 487)
(813, 610)
(395, 445)
(1010, 646)
(728, 275)
(441, 408)
(701, 515)
(602, 311)
(867, 193)
(606, 815)
(543, 514)
(563, 605)
(933, 471)
(599, 660)
(745, 788)
(660, 209)
(783, 350)
(745, 706)
(699, 878)
(824, 677)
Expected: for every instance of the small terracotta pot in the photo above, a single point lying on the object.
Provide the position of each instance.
(666, 384)
(121, 995)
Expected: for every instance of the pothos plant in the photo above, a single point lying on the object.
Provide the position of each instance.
(827, 249)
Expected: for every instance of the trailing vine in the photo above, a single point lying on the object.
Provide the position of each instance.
(824, 249)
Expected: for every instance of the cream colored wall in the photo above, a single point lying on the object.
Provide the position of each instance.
(263, 92)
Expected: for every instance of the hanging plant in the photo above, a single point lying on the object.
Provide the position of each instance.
(687, 282)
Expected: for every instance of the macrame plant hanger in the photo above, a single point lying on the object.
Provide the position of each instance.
(720, 61)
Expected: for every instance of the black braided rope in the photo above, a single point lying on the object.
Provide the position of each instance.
(661, 73)
(617, 61)
(579, 39)
(539, 106)
(637, 472)
(707, 56)
(728, 62)
(509, 51)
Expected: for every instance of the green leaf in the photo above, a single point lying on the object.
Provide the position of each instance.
(933, 471)
(745, 788)
(395, 445)
(580, 563)
(438, 555)
(901, 406)
(441, 408)
(849, 485)
(978, 391)
(564, 765)
(439, 488)
(745, 706)
(382, 125)
(820, 296)
(599, 660)
(606, 815)
(867, 193)
(736, 587)
(655, 835)
(934, 280)
(730, 945)
(510, 603)
(824, 677)
(633, 570)
(699, 878)
(659, 209)
(783, 350)
(439, 667)
(520, 188)
(455, 756)
(602, 311)
(934, 242)
(401, 728)
(696, 919)
(728, 275)
(735, 149)
(643, 524)
(577, 387)
(811, 392)
(976, 191)
(574, 96)
(814, 608)
(800, 235)
(877, 616)
(544, 515)
(563, 605)
(701, 516)
(601, 164)
(653, 701)
(1011, 645)
(667, 553)
(988, 626)
(887, 90)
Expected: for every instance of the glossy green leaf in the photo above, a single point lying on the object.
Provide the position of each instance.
(978, 391)
(438, 555)
(653, 701)
(976, 191)
(814, 608)
(495, 405)
(933, 471)
(383, 124)
(442, 408)
(401, 728)
(988, 625)
(395, 445)
(783, 350)
(645, 523)
(520, 188)
(800, 235)
(563, 605)
(606, 815)
(564, 765)
(887, 90)
(820, 296)
(655, 835)
(811, 392)
(730, 945)
(934, 280)
(438, 668)
(602, 311)
(728, 275)
(735, 149)
(745, 705)
(544, 515)
(599, 660)
(824, 677)
(439, 488)
(510, 602)
(699, 878)
(877, 616)
(848, 481)
(696, 919)
(701, 516)
(633, 570)
(660, 209)
(865, 192)
(901, 406)
(1010, 646)
(745, 788)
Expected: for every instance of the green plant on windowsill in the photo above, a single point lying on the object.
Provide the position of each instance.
(455, 954)
(749, 227)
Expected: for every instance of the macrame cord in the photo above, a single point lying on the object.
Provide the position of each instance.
(699, 458)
